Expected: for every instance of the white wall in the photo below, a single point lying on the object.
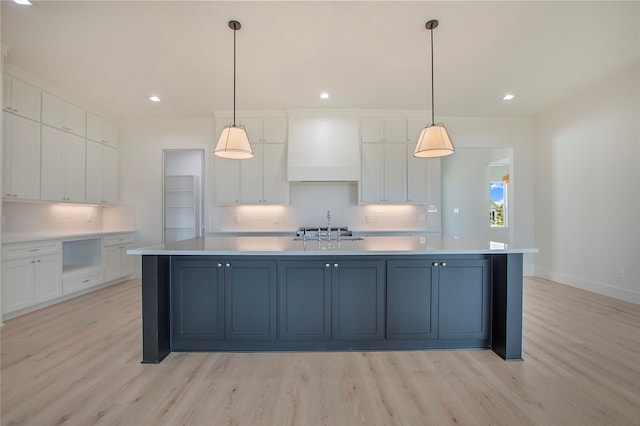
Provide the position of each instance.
(588, 190)
(141, 144)
(497, 133)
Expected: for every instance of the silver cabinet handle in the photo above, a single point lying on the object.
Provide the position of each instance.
(335, 265)
(228, 265)
(434, 264)
(326, 265)
(219, 265)
(444, 263)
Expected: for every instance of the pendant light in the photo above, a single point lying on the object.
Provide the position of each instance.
(434, 140)
(234, 142)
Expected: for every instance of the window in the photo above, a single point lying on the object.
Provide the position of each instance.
(498, 204)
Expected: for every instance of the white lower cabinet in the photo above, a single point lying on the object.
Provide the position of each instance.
(81, 280)
(31, 274)
(117, 263)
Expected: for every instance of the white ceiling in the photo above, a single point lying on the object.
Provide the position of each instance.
(366, 54)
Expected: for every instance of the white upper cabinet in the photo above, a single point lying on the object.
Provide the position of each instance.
(21, 155)
(101, 130)
(384, 173)
(63, 115)
(21, 98)
(102, 174)
(63, 166)
(414, 128)
(265, 129)
(384, 129)
(257, 180)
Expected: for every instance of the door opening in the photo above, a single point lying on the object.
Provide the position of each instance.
(183, 199)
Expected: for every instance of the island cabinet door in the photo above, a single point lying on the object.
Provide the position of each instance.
(464, 299)
(304, 300)
(198, 301)
(412, 300)
(250, 300)
(358, 300)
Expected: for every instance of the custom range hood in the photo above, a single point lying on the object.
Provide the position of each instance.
(323, 146)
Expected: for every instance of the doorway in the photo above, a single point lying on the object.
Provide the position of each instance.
(183, 195)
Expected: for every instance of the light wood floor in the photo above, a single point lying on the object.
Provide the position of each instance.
(78, 363)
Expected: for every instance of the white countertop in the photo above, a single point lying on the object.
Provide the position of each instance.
(24, 238)
(369, 245)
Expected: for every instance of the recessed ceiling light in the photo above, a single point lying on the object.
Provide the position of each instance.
(324, 95)
(154, 99)
(508, 97)
(23, 2)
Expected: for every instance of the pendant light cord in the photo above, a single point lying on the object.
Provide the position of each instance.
(234, 76)
(433, 120)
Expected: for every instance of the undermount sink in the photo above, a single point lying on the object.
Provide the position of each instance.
(344, 238)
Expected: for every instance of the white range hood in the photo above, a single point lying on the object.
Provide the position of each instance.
(323, 146)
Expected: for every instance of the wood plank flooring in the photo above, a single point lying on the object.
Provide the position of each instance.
(78, 363)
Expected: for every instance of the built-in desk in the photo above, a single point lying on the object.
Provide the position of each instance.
(380, 293)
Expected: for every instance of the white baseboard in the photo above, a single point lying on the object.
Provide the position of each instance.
(594, 286)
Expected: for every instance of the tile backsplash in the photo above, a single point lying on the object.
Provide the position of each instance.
(308, 206)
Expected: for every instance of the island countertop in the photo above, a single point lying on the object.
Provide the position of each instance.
(367, 245)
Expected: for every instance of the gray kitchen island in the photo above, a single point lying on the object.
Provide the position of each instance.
(277, 293)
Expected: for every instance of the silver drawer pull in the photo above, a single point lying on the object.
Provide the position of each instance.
(434, 264)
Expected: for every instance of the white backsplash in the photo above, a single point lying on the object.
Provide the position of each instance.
(42, 220)
(308, 206)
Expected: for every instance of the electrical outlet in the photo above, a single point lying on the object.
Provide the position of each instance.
(368, 219)
(422, 218)
(276, 220)
(236, 219)
(620, 272)
(456, 210)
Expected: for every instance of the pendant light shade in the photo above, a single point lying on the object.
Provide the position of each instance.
(434, 141)
(234, 142)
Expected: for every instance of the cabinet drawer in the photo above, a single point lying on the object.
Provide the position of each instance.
(114, 240)
(77, 283)
(18, 251)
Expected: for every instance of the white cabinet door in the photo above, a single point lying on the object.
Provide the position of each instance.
(101, 130)
(63, 115)
(63, 166)
(17, 284)
(384, 173)
(384, 129)
(111, 263)
(125, 261)
(102, 174)
(110, 175)
(395, 173)
(47, 278)
(21, 158)
(21, 98)
(110, 134)
(274, 129)
(275, 185)
(371, 184)
(251, 178)
(227, 174)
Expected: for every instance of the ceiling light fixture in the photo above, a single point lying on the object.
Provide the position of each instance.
(508, 97)
(234, 142)
(154, 99)
(324, 95)
(434, 140)
(23, 2)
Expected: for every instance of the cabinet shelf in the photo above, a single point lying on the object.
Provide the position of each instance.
(181, 204)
